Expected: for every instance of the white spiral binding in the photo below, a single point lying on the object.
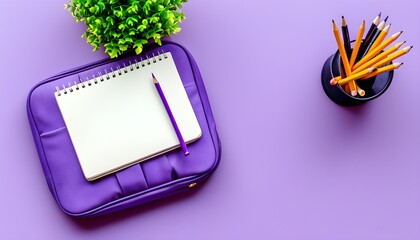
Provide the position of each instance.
(139, 62)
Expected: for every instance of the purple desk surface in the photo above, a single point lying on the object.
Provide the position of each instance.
(294, 164)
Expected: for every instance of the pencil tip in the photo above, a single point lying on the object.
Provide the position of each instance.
(407, 49)
(343, 21)
(397, 34)
(154, 78)
(334, 25)
(397, 65)
(386, 19)
(380, 13)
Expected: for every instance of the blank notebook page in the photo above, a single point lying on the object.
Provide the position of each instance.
(122, 121)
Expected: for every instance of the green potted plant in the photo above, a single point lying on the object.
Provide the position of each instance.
(120, 25)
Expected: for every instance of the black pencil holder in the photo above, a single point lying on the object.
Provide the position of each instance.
(373, 87)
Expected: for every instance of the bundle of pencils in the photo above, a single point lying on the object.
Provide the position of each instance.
(368, 57)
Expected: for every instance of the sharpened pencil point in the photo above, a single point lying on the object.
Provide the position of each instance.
(343, 21)
(335, 28)
(386, 18)
(396, 35)
(380, 13)
(397, 65)
(154, 79)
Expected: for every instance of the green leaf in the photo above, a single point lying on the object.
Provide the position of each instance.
(160, 8)
(176, 30)
(122, 26)
(110, 20)
(128, 39)
(116, 35)
(131, 21)
(138, 50)
(141, 28)
(123, 47)
(139, 43)
(101, 5)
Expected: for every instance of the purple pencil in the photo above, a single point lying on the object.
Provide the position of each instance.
(171, 116)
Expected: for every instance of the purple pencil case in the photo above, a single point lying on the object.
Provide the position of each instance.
(153, 179)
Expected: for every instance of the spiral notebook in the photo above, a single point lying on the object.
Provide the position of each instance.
(118, 119)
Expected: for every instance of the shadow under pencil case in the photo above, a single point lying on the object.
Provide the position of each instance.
(143, 182)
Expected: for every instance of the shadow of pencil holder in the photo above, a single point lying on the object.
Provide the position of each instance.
(373, 87)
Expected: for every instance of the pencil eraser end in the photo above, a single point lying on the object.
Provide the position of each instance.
(333, 82)
(354, 93)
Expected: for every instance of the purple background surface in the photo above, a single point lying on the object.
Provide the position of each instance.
(294, 164)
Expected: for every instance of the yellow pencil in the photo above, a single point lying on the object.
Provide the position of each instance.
(357, 44)
(378, 58)
(393, 56)
(353, 77)
(382, 70)
(345, 60)
(360, 91)
(375, 51)
(380, 38)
